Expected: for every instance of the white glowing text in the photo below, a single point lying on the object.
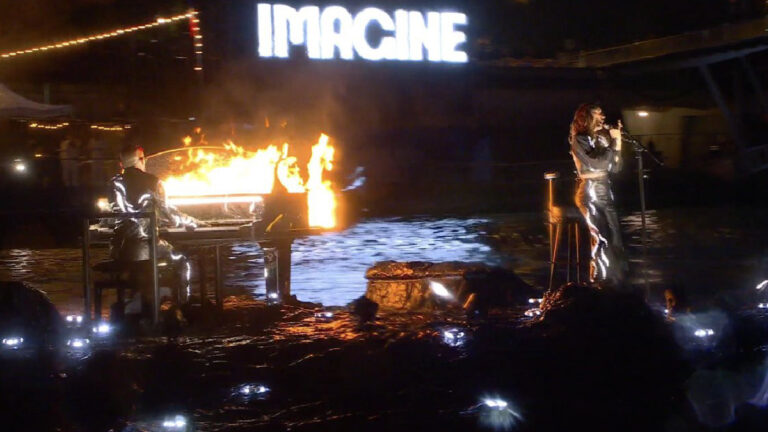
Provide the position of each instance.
(335, 33)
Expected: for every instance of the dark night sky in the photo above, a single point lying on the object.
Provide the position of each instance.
(149, 75)
(159, 62)
(533, 28)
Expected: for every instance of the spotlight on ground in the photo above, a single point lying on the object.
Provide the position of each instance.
(102, 329)
(498, 404)
(702, 333)
(324, 316)
(440, 290)
(499, 414)
(532, 313)
(13, 342)
(454, 337)
(251, 389)
(74, 319)
(701, 330)
(249, 392)
(175, 423)
(78, 343)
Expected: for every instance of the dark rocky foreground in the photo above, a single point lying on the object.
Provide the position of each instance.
(593, 360)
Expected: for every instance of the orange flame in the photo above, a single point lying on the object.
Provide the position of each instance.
(322, 203)
(238, 171)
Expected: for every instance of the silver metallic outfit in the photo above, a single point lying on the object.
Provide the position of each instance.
(596, 157)
(136, 191)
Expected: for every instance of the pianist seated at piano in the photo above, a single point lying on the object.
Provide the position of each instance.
(134, 191)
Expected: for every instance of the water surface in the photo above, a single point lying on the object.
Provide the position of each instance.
(707, 250)
(399, 372)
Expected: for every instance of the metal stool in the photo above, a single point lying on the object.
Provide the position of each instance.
(557, 216)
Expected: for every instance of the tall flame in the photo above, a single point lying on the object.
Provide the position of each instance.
(239, 171)
(322, 203)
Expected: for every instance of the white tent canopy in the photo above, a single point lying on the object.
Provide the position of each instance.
(13, 105)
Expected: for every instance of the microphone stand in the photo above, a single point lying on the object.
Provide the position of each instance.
(639, 149)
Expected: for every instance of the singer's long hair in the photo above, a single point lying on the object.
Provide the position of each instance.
(582, 119)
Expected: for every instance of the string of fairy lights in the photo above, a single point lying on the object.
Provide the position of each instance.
(95, 127)
(197, 40)
(194, 30)
(194, 23)
(118, 128)
(55, 126)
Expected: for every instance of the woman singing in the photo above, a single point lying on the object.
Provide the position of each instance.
(596, 152)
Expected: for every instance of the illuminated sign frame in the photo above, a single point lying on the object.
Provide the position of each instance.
(334, 32)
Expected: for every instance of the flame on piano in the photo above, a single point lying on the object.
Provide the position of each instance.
(234, 176)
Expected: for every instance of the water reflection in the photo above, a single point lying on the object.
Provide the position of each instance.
(307, 353)
(330, 269)
(685, 247)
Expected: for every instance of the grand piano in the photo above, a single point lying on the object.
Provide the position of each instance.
(273, 221)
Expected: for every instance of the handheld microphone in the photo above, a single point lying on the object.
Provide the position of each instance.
(625, 136)
(624, 133)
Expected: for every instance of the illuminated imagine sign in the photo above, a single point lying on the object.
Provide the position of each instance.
(334, 32)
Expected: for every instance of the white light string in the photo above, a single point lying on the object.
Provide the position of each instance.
(191, 15)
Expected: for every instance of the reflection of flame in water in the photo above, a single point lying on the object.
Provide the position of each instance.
(239, 171)
(342, 328)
